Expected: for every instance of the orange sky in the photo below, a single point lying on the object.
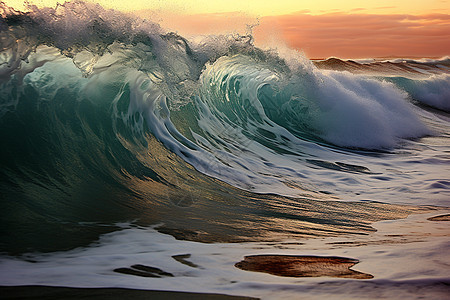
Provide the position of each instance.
(362, 36)
(262, 8)
(320, 28)
(335, 34)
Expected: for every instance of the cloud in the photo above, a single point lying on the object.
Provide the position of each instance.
(358, 9)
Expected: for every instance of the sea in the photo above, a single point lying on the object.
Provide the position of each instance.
(124, 144)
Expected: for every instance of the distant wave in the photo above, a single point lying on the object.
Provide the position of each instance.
(418, 68)
(425, 80)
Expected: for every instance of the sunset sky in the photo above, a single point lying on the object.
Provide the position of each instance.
(320, 28)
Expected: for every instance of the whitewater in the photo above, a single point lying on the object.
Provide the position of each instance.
(124, 144)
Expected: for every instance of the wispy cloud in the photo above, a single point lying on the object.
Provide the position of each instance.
(358, 9)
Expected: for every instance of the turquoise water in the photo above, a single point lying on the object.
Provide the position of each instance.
(105, 118)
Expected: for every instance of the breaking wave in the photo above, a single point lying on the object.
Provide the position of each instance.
(97, 107)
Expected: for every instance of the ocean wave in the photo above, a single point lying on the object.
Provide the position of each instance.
(116, 119)
(433, 91)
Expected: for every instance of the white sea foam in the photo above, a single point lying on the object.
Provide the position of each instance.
(407, 258)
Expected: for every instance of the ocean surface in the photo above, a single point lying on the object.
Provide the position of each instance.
(125, 144)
